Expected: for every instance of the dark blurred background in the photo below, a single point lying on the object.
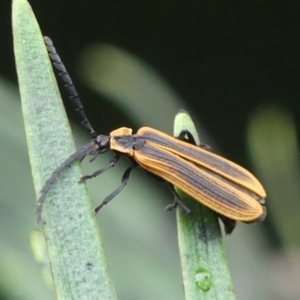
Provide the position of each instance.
(234, 65)
(223, 58)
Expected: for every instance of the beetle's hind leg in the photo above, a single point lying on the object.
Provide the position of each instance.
(186, 136)
(177, 201)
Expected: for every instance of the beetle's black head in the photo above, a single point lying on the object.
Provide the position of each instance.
(102, 142)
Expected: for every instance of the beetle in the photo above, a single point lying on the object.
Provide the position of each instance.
(223, 186)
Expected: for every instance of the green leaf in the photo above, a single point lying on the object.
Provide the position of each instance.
(77, 259)
(273, 145)
(204, 266)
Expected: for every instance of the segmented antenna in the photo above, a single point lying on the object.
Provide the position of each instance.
(69, 86)
(79, 155)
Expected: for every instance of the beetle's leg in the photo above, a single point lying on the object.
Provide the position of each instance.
(118, 190)
(186, 136)
(228, 223)
(177, 201)
(112, 163)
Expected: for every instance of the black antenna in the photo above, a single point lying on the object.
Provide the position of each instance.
(79, 155)
(69, 86)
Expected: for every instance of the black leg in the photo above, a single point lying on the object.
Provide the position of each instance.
(186, 136)
(96, 153)
(112, 163)
(204, 146)
(229, 224)
(177, 201)
(118, 190)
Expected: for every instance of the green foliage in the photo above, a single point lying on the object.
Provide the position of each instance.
(77, 259)
(204, 266)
